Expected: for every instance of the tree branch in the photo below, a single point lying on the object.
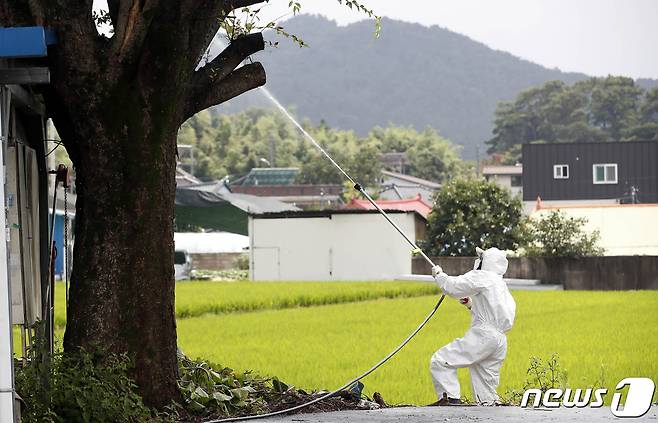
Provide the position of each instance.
(209, 15)
(235, 83)
(237, 4)
(230, 58)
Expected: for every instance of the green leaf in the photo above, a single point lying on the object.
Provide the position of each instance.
(200, 395)
(221, 397)
(279, 386)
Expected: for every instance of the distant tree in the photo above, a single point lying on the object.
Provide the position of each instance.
(431, 156)
(614, 104)
(594, 110)
(233, 144)
(469, 213)
(647, 129)
(559, 235)
(649, 107)
(529, 117)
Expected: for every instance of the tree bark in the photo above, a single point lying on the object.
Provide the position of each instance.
(123, 284)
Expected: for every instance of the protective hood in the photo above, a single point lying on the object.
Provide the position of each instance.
(494, 260)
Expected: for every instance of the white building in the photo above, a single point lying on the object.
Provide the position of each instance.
(210, 242)
(510, 177)
(331, 245)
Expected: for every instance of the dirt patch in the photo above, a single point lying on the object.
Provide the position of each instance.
(342, 401)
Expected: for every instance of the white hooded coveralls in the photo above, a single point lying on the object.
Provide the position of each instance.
(484, 346)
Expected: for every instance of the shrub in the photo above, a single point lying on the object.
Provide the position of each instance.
(74, 388)
(469, 213)
(209, 389)
(559, 235)
(540, 375)
(243, 262)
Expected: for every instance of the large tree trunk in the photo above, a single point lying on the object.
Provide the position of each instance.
(123, 282)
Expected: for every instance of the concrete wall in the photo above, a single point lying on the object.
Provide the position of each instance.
(360, 246)
(626, 229)
(589, 273)
(530, 207)
(215, 261)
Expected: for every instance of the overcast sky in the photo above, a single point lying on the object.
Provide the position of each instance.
(596, 37)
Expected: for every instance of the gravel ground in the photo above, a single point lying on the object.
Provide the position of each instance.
(464, 414)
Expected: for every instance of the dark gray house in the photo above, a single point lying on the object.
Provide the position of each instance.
(625, 171)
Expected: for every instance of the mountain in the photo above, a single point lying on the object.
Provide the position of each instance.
(412, 75)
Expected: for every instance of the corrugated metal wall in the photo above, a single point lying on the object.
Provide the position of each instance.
(637, 165)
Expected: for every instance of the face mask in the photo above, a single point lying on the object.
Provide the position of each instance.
(478, 264)
(478, 261)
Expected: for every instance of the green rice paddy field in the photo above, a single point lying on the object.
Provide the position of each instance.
(319, 335)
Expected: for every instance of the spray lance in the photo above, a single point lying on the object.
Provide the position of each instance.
(416, 250)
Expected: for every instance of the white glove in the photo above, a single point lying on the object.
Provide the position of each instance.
(467, 302)
(436, 270)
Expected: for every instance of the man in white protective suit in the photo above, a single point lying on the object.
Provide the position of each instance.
(484, 346)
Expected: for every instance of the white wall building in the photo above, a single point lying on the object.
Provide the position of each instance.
(331, 245)
(210, 242)
(510, 177)
(625, 229)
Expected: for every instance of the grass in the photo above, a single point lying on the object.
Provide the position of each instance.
(319, 335)
(322, 347)
(195, 299)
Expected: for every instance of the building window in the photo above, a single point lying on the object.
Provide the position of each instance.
(605, 173)
(517, 181)
(560, 171)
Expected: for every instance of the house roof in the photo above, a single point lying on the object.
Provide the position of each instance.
(540, 206)
(411, 179)
(410, 204)
(270, 176)
(213, 206)
(288, 190)
(327, 213)
(211, 194)
(185, 178)
(502, 170)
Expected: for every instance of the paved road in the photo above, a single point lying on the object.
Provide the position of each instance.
(465, 415)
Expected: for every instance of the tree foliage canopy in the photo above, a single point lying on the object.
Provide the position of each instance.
(469, 213)
(559, 235)
(233, 144)
(598, 109)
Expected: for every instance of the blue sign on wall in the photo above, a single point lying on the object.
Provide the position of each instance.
(28, 41)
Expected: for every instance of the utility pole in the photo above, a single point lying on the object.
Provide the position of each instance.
(477, 160)
(272, 151)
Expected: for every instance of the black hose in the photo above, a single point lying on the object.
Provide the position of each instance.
(350, 383)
